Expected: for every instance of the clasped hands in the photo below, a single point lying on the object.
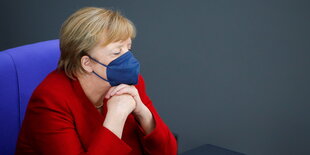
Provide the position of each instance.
(125, 99)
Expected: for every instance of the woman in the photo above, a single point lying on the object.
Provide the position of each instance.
(95, 102)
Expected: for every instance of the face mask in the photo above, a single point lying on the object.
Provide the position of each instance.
(123, 70)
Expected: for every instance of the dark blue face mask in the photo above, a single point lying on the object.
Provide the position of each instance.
(123, 70)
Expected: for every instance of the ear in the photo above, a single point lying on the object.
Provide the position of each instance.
(86, 64)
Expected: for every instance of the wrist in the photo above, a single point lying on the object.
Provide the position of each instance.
(115, 123)
(142, 113)
(146, 120)
(118, 116)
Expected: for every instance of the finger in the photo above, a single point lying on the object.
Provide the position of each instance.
(127, 90)
(119, 87)
(109, 92)
(124, 90)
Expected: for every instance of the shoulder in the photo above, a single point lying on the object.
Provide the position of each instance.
(55, 86)
(141, 84)
(142, 90)
(52, 95)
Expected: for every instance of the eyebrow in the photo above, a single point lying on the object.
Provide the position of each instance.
(129, 44)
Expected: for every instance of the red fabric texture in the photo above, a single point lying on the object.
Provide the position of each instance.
(60, 120)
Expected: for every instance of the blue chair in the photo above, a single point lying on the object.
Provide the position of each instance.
(21, 70)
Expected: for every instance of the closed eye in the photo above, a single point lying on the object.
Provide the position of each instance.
(117, 53)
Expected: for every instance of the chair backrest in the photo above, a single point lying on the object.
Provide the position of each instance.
(21, 70)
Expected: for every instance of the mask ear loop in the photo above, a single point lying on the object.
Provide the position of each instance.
(101, 77)
(100, 64)
(97, 61)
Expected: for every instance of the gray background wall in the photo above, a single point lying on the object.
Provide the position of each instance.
(229, 73)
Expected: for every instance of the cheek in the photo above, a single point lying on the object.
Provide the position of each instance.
(106, 57)
(109, 59)
(101, 70)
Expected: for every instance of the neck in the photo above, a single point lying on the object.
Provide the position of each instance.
(93, 87)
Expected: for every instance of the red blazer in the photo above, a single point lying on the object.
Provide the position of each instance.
(60, 120)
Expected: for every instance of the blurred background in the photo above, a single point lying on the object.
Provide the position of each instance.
(229, 73)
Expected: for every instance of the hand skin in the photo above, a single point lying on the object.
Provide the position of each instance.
(119, 107)
(118, 112)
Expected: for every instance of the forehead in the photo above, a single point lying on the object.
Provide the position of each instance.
(126, 42)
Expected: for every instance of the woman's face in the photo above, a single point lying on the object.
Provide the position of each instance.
(111, 51)
(108, 53)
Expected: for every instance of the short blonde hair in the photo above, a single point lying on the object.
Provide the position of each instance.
(84, 29)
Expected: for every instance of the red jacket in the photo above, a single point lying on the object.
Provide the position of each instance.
(60, 120)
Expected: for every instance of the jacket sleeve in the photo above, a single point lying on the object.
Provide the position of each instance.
(160, 140)
(50, 125)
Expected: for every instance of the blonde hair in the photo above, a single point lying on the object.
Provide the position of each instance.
(84, 29)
